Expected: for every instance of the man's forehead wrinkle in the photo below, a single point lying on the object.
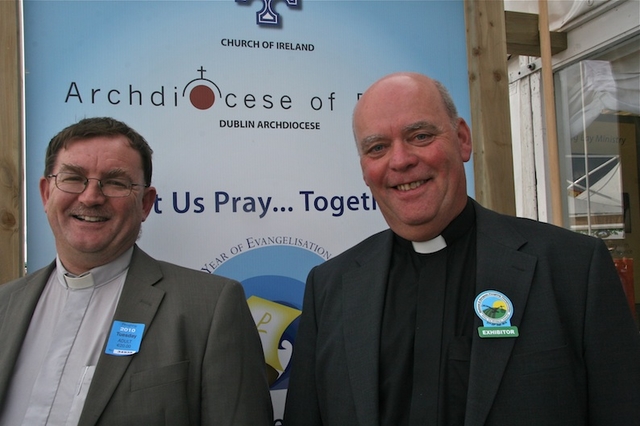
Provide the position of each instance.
(116, 172)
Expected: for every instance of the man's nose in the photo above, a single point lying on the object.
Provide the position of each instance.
(402, 156)
(92, 192)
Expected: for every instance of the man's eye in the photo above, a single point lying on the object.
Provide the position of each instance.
(376, 150)
(71, 178)
(424, 138)
(116, 183)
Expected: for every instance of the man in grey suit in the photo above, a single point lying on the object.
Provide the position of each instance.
(457, 315)
(106, 335)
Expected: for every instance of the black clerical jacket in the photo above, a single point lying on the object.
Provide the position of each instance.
(576, 360)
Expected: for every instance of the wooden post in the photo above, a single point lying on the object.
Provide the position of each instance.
(550, 115)
(489, 92)
(11, 170)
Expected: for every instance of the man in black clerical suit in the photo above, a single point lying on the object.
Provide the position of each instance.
(457, 315)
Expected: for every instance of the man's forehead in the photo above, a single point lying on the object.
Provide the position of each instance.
(73, 153)
(84, 140)
(412, 106)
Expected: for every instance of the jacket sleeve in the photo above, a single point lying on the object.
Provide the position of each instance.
(611, 347)
(235, 390)
(301, 407)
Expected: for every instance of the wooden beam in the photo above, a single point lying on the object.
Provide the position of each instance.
(523, 36)
(489, 95)
(11, 170)
(555, 183)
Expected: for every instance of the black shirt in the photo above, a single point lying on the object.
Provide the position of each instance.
(427, 326)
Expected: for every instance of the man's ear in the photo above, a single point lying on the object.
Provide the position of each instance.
(45, 191)
(148, 200)
(464, 139)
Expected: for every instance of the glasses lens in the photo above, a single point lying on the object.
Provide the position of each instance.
(70, 182)
(116, 187)
(76, 184)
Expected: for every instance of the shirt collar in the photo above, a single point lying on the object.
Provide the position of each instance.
(431, 246)
(454, 230)
(97, 276)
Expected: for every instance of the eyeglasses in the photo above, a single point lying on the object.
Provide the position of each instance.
(74, 183)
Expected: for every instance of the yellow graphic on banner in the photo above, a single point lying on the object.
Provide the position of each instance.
(272, 319)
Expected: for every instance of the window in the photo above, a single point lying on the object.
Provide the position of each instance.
(598, 113)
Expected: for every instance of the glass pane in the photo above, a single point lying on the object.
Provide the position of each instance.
(594, 191)
(598, 110)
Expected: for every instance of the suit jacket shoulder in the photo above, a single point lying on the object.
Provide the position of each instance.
(377, 246)
(499, 226)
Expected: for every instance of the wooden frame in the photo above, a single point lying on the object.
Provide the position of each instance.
(12, 229)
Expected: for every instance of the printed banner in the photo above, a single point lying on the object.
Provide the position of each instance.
(247, 105)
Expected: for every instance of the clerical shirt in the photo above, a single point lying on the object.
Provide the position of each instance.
(66, 335)
(427, 326)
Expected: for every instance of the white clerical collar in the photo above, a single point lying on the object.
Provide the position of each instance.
(431, 246)
(97, 276)
(79, 282)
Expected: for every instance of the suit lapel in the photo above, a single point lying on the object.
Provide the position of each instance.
(15, 317)
(364, 291)
(501, 267)
(138, 303)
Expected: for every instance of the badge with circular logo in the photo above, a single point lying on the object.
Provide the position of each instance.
(495, 310)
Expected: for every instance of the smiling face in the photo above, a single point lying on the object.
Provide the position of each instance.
(412, 154)
(90, 229)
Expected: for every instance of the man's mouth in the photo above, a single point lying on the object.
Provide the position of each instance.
(410, 186)
(91, 218)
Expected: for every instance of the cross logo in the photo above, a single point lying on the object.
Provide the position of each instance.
(267, 16)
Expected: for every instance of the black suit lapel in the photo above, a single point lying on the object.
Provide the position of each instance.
(501, 267)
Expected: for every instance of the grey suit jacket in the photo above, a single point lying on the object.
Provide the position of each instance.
(200, 361)
(576, 361)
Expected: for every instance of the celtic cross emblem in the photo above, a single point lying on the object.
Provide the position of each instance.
(267, 16)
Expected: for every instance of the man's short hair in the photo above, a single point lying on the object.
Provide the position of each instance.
(96, 127)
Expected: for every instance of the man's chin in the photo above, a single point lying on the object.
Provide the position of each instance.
(415, 231)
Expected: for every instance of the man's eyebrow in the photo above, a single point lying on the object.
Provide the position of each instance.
(116, 173)
(71, 168)
(422, 125)
(371, 139)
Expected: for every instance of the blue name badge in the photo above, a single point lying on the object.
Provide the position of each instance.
(124, 339)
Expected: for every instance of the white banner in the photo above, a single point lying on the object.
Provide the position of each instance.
(247, 106)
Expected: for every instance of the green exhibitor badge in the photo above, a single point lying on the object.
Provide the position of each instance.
(497, 332)
(495, 310)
